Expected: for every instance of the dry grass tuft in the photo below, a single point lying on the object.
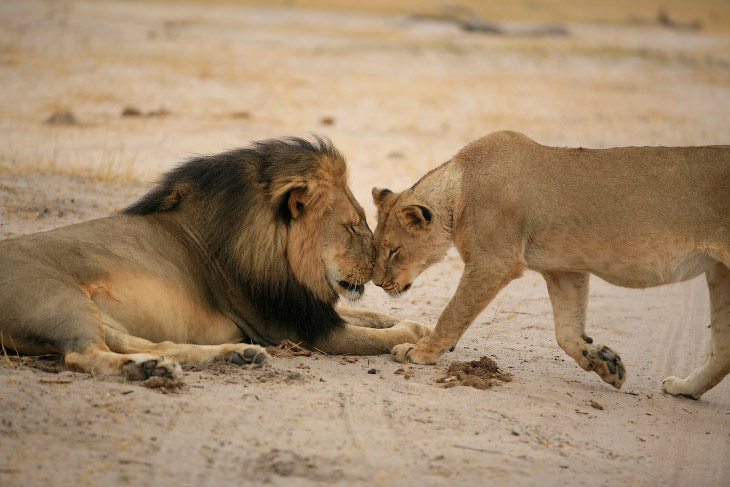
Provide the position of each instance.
(288, 349)
(12, 361)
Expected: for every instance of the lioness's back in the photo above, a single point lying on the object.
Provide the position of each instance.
(681, 186)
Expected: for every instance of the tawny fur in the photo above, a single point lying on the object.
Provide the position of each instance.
(634, 216)
(253, 245)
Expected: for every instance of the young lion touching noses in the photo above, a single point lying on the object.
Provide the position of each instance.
(252, 245)
(634, 216)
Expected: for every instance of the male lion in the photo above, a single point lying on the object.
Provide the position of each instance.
(255, 244)
(635, 217)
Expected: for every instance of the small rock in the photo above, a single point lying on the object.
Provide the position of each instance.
(161, 112)
(62, 118)
(131, 112)
(596, 405)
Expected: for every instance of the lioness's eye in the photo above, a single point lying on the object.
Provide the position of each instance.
(392, 252)
(350, 228)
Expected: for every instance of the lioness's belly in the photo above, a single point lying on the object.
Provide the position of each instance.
(627, 266)
(158, 310)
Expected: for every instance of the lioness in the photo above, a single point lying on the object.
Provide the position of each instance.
(635, 217)
(255, 244)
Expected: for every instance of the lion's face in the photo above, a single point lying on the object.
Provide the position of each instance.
(407, 240)
(347, 246)
(330, 244)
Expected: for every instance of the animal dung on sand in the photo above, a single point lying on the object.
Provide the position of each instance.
(480, 374)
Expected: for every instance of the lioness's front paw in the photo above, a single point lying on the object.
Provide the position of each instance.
(417, 354)
(247, 354)
(142, 367)
(678, 387)
(415, 329)
(604, 362)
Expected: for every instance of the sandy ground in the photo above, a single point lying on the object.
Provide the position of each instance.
(398, 96)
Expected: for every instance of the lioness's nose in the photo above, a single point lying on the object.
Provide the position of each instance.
(378, 277)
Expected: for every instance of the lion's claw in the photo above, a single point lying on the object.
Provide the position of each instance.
(408, 352)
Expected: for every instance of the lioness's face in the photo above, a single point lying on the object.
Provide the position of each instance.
(407, 240)
(347, 246)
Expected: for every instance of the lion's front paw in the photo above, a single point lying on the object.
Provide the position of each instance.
(247, 354)
(417, 354)
(142, 367)
(415, 329)
(678, 387)
(604, 362)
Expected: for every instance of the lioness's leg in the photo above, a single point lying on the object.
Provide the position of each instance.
(359, 340)
(238, 353)
(569, 296)
(717, 361)
(477, 287)
(366, 319)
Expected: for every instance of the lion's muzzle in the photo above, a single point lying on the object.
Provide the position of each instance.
(351, 287)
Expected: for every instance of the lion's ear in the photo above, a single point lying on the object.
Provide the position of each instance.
(380, 195)
(416, 217)
(296, 201)
(171, 199)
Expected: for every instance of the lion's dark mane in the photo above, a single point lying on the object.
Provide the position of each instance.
(223, 192)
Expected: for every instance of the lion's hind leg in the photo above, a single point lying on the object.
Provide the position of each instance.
(63, 319)
(717, 361)
(99, 360)
(187, 354)
(569, 296)
(85, 349)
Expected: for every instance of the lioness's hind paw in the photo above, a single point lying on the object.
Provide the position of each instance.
(142, 367)
(249, 354)
(606, 363)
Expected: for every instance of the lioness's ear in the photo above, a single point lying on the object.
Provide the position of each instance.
(380, 195)
(416, 217)
(296, 201)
